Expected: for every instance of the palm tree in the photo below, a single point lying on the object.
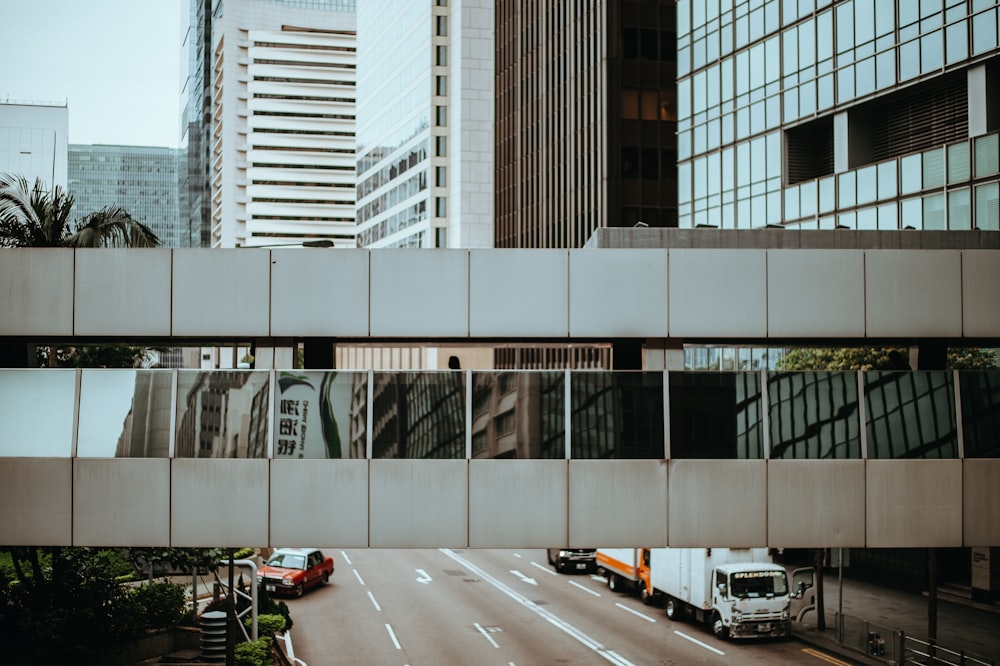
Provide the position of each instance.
(35, 217)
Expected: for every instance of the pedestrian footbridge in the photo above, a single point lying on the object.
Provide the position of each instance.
(481, 457)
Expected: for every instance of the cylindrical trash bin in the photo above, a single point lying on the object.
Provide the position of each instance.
(213, 636)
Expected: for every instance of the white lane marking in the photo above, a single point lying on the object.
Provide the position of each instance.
(635, 612)
(358, 576)
(346, 558)
(524, 579)
(424, 578)
(550, 617)
(584, 588)
(697, 642)
(487, 636)
(545, 569)
(372, 597)
(393, 637)
(517, 555)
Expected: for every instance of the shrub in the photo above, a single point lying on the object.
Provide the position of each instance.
(267, 624)
(254, 653)
(162, 603)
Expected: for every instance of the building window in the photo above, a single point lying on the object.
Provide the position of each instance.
(442, 26)
(440, 207)
(441, 56)
(440, 176)
(442, 85)
(441, 116)
(441, 146)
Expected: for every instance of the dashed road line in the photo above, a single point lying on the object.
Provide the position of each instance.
(584, 588)
(697, 642)
(487, 636)
(635, 612)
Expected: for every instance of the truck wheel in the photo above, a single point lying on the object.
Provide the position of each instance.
(613, 582)
(720, 630)
(673, 612)
(644, 594)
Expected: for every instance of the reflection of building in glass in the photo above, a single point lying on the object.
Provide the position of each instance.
(418, 415)
(814, 415)
(980, 393)
(716, 415)
(911, 415)
(358, 433)
(518, 415)
(617, 415)
(225, 415)
(146, 430)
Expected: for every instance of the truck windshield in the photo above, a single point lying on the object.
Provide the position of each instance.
(754, 584)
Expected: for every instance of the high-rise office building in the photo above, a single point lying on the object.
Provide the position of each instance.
(861, 114)
(33, 141)
(141, 179)
(196, 124)
(585, 119)
(283, 110)
(425, 123)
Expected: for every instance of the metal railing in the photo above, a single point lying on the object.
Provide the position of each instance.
(916, 652)
(894, 647)
(866, 637)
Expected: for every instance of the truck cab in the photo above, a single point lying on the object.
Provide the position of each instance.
(751, 599)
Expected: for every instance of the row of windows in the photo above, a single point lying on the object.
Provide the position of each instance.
(713, 415)
(403, 219)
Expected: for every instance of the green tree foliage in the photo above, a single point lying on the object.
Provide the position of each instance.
(267, 624)
(32, 216)
(878, 358)
(254, 653)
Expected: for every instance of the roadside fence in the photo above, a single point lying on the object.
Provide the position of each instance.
(895, 647)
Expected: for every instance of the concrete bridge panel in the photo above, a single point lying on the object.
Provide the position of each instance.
(518, 293)
(718, 503)
(819, 293)
(981, 500)
(218, 501)
(611, 502)
(319, 503)
(618, 293)
(36, 298)
(913, 293)
(722, 291)
(221, 292)
(419, 504)
(36, 501)
(110, 301)
(816, 503)
(419, 293)
(521, 502)
(121, 502)
(319, 292)
(913, 503)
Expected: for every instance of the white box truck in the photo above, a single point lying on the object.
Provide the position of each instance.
(737, 592)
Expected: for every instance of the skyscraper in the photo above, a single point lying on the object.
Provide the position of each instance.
(425, 123)
(33, 138)
(283, 80)
(141, 179)
(196, 116)
(585, 118)
(863, 114)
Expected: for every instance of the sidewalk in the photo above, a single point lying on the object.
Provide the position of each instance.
(961, 624)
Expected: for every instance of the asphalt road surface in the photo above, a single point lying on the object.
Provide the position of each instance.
(506, 607)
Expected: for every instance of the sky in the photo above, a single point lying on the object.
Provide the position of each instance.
(116, 63)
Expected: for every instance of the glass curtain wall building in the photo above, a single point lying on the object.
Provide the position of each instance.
(196, 119)
(861, 114)
(141, 179)
(425, 124)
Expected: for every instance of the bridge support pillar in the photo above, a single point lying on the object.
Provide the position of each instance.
(319, 353)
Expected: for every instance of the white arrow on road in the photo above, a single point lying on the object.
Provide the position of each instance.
(529, 581)
(424, 578)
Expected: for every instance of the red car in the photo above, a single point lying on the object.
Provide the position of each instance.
(293, 570)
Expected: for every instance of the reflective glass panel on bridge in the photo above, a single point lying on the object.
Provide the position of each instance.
(519, 414)
(418, 415)
(911, 414)
(980, 396)
(616, 415)
(814, 415)
(222, 414)
(716, 415)
(125, 413)
(320, 414)
(36, 413)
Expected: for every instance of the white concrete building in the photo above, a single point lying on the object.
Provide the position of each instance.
(283, 113)
(425, 124)
(34, 141)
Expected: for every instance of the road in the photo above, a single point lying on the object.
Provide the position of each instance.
(506, 607)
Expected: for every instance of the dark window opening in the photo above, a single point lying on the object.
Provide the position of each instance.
(809, 151)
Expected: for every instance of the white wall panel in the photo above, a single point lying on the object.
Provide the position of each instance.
(717, 503)
(913, 293)
(981, 500)
(221, 292)
(419, 504)
(419, 292)
(816, 503)
(121, 502)
(36, 501)
(36, 297)
(980, 293)
(319, 503)
(321, 292)
(604, 497)
(718, 293)
(218, 502)
(914, 503)
(110, 301)
(618, 293)
(815, 293)
(517, 503)
(518, 293)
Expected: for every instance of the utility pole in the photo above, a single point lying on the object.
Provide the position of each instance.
(230, 617)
